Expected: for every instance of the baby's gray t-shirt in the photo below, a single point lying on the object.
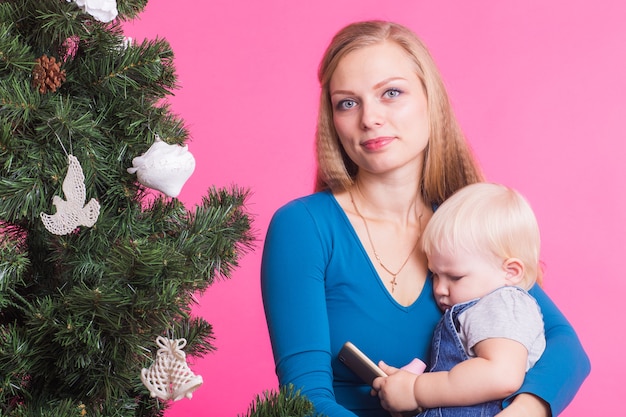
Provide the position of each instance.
(508, 312)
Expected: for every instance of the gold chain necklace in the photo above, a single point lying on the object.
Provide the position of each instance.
(369, 236)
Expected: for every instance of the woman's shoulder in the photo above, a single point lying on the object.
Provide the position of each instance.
(317, 213)
(319, 202)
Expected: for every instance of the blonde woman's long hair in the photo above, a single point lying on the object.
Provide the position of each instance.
(448, 161)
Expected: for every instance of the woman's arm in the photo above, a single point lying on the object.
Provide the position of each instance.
(564, 365)
(524, 405)
(292, 283)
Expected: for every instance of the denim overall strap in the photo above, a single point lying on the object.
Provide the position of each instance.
(447, 351)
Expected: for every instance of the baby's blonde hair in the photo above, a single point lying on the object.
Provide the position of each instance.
(490, 219)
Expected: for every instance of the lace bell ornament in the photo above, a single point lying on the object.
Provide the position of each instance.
(169, 377)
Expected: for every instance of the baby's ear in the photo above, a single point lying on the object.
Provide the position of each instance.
(514, 269)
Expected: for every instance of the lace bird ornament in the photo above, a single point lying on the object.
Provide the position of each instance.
(73, 211)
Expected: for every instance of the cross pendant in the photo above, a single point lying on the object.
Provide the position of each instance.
(393, 284)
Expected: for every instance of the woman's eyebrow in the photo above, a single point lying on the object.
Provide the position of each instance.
(377, 85)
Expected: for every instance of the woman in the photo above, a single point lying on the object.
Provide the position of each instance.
(344, 263)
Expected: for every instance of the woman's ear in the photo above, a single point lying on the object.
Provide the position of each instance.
(514, 269)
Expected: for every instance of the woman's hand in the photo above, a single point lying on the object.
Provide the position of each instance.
(526, 405)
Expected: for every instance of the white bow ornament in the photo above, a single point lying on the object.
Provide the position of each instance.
(164, 167)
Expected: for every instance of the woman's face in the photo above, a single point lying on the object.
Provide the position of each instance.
(380, 110)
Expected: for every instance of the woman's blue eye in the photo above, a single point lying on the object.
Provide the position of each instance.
(346, 104)
(392, 93)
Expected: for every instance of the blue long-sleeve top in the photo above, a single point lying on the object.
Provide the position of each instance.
(320, 289)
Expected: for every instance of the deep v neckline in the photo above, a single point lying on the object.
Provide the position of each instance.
(369, 261)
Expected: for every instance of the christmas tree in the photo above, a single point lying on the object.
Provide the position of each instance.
(99, 262)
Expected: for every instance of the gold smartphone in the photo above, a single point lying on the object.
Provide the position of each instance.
(359, 363)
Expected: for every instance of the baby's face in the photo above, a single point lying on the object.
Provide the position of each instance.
(462, 276)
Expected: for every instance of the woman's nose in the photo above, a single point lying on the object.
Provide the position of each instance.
(371, 115)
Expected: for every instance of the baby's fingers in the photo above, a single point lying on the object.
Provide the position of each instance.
(377, 385)
(389, 370)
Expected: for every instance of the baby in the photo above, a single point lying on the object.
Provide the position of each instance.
(482, 246)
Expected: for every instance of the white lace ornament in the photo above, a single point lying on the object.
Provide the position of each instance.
(102, 10)
(72, 212)
(169, 377)
(164, 167)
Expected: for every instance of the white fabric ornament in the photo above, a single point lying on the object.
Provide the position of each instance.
(169, 377)
(72, 212)
(102, 10)
(164, 167)
(156, 378)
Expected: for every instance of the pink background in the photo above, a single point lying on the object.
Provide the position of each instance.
(539, 88)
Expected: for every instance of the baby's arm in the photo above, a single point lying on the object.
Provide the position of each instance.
(497, 372)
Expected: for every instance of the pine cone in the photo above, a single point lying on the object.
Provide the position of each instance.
(47, 74)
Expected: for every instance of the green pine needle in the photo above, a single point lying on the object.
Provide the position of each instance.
(287, 402)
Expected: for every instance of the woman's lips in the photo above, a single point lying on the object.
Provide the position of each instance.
(376, 143)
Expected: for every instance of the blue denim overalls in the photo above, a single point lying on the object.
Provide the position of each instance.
(447, 351)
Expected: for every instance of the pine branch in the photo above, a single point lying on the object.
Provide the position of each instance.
(14, 264)
(286, 403)
(14, 54)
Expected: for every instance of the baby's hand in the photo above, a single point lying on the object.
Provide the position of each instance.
(396, 390)
(377, 383)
